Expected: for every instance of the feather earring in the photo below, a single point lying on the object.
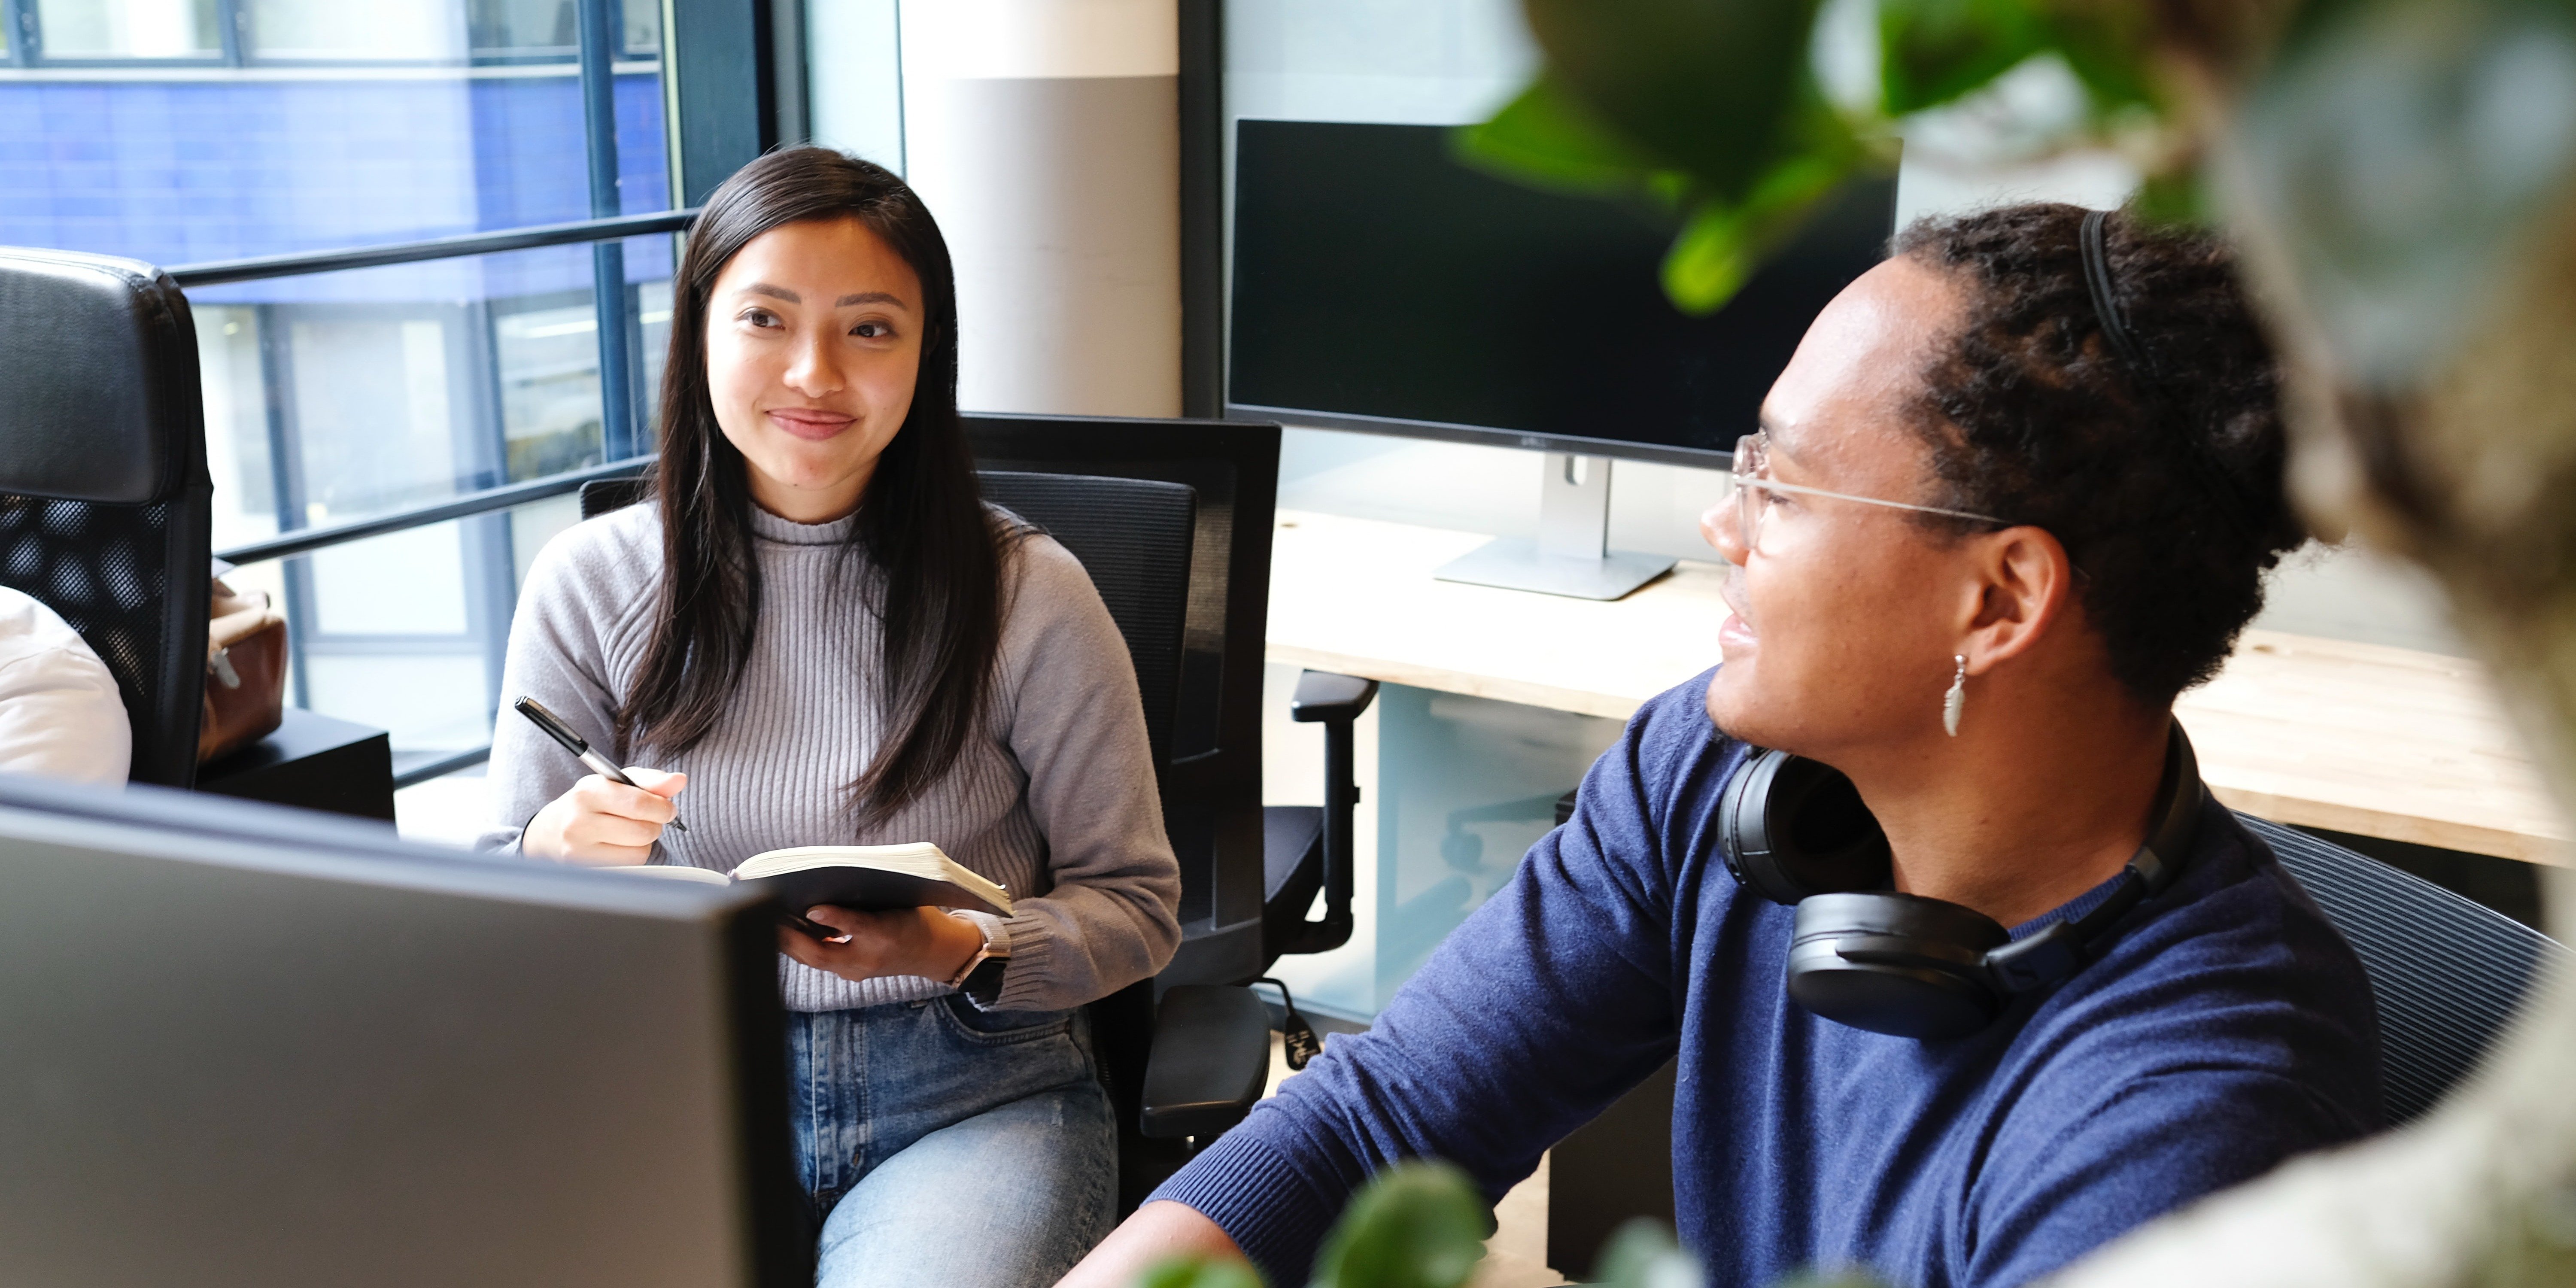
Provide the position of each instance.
(1956, 700)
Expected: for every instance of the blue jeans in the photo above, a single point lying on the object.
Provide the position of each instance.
(945, 1145)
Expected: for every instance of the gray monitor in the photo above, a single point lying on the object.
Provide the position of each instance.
(241, 1044)
(1383, 284)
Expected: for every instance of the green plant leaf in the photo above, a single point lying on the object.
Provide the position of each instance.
(1641, 1254)
(1701, 86)
(1190, 1272)
(2173, 199)
(2111, 47)
(1933, 51)
(1546, 138)
(1419, 1225)
(1723, 242)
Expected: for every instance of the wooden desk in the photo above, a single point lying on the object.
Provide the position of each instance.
(2359, 738)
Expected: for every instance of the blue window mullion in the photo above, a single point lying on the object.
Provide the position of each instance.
(21, 17)
(601, 36)
(231, 26)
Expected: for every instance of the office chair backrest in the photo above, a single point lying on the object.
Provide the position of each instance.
(103, 487)
(1134, 537)
(1212, 765)
(2446, 973)
(599, 496)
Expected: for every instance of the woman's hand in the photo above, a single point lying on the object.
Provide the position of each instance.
(906, 941)
(604, 823)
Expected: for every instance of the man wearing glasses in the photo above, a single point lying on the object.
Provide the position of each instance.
(2015, 491)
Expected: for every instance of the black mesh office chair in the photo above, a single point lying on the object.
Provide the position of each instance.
(103, 487)
(2446, 974)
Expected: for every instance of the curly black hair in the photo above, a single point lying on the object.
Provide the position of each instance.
(2164, 483)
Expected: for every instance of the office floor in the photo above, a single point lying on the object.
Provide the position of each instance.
(1516, 1257)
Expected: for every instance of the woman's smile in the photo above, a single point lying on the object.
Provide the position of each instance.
(813, 424)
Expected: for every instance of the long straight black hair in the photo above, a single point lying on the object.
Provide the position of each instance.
(933, 553)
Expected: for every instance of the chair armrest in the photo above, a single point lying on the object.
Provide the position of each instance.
(1210, 1060)
(1324, 696)
(1334, 701)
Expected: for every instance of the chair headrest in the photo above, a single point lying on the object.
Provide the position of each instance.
(98, 379)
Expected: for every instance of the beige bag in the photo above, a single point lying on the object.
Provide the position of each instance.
(245, 672)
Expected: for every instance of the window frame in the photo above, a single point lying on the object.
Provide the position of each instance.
(720, 112)
(26, 49)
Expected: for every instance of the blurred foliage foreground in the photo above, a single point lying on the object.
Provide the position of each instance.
(1422, 1225)
(2400, 176)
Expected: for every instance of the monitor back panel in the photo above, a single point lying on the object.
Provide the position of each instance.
(225, 1062)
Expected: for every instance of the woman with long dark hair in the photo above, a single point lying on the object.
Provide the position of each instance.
(819, 628)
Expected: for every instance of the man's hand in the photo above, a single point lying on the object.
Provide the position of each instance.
(1160, 1231)
(907, 941)
(605, 823)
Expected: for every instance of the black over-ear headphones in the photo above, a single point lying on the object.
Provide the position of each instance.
(1797, 833)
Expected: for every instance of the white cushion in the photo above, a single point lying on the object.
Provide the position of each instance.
(59, 711)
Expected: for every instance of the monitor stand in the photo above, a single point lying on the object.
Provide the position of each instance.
(1572, 555)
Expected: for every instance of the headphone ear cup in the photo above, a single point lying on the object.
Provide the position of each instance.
(1897, 964)
(1790, 827)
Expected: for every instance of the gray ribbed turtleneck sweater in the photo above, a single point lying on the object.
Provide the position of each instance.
(1056, 799)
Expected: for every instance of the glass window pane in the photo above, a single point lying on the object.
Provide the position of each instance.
(128, 29)
(643, 28)
(237, 424)
(428, 701)
(225, 163)
(340, 396)
(374, 410)
(653, 310)
(336, 396)
(402, 583)
(526, 27)
(549, 360)
(408, 30)
(854, 78)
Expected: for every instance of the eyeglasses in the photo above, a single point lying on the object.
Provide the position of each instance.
(1753, 491)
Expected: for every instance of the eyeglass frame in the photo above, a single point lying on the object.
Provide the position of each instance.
(1757, 445)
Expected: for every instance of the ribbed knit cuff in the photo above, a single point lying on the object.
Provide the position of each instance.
(1261, 1201)
(1027, 985)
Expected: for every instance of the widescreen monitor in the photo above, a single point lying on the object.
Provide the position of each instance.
(245, 1045)
(1381, 284)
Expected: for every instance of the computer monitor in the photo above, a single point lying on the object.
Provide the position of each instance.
(245, 1045)
(1382, 285)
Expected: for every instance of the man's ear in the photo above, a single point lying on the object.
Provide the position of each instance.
(2023, 580)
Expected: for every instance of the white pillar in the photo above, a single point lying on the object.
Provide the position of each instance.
(1044, 134)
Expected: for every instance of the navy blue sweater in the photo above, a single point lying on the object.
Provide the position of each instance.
(2223, 1027)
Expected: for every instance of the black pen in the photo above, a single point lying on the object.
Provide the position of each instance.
(559, 731)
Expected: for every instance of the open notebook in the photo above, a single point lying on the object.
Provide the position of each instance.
(870, 878)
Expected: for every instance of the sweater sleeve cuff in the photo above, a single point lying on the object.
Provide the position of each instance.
(1026, 985)
(1262, 1202)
